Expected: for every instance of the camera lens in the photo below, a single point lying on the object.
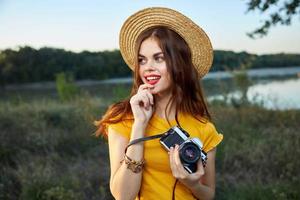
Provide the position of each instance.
(189, 153)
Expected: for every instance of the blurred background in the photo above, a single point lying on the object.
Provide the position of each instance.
(60, 68)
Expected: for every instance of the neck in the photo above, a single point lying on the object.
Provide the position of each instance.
(161, 103)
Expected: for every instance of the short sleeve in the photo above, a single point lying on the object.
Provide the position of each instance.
(123, 128)
(212, 137)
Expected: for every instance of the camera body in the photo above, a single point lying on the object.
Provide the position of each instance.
(190, 149)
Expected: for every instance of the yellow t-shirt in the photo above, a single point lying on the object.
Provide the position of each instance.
(157, 180)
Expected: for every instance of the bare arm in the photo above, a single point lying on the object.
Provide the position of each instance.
(202, 182)
(124, 184)
(206, 188)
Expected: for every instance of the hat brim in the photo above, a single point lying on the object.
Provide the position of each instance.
(195, 37)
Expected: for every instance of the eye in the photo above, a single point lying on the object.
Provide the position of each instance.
(159, 59)
(142, 61)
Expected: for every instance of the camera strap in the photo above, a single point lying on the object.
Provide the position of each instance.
(143, 139)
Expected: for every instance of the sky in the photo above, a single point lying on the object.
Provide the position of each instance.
(94, 25)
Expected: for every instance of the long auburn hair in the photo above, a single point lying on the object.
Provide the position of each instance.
(187, 94)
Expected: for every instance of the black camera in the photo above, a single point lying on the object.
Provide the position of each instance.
(190, 149)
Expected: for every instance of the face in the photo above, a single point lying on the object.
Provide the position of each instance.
(153, 67)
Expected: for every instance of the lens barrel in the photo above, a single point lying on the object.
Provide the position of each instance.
(189, 153)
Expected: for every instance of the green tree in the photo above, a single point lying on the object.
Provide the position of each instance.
(282, 13)
(27, 64)
(66, 87)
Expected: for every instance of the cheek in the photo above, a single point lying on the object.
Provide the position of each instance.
(169, 80)
(168, 77)
(140, 72)
(166, 82)
(164, 71)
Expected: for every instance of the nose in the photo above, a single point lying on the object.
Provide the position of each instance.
(150, 66)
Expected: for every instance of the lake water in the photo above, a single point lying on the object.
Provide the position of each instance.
(278, 94)
(272, 88)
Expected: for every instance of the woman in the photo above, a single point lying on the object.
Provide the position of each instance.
(168, 53)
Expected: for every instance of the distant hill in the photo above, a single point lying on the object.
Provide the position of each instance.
(27, 64)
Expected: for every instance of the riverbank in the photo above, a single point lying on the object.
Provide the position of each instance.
(251, 73)
(47, 151)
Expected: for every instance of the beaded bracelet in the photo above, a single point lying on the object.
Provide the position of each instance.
(134, 166)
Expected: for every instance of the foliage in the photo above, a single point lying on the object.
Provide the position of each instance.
(120, 92)
(27, 64)
(282, 13)
(280, 59)
(242, 83)
(53, 155)
(229, 60)
(59, 193)
(255, 159)
(30, 65)
(66, 87)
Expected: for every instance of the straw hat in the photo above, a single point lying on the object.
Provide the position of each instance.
(195, 37)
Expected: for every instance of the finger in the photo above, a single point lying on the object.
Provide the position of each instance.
(177, 160)
(176, 155)
(144, 90)
(150, 97)
(144, 102)
(134, 100)
(200, 169)
(172, 163)
(145, 86)
(139, 99)
(147, 99)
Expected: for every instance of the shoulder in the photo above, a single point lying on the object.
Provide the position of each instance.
(122, 126)
(115, 114)
(200, 123)
(203, 129)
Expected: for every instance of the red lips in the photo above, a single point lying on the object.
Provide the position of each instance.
(152, 78)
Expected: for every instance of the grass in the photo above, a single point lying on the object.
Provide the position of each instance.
(259, 154)
(48, 152)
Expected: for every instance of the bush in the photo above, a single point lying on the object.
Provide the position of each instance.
(48, 151)
(66, 87)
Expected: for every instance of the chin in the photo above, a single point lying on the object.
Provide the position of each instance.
(154, 91)
(157, 92)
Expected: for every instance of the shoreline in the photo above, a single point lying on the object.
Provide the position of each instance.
(253, 73)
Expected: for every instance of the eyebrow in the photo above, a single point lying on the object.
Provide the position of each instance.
(156, 54)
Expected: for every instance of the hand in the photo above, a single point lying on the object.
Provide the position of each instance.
(142, 104)
(178, 171)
